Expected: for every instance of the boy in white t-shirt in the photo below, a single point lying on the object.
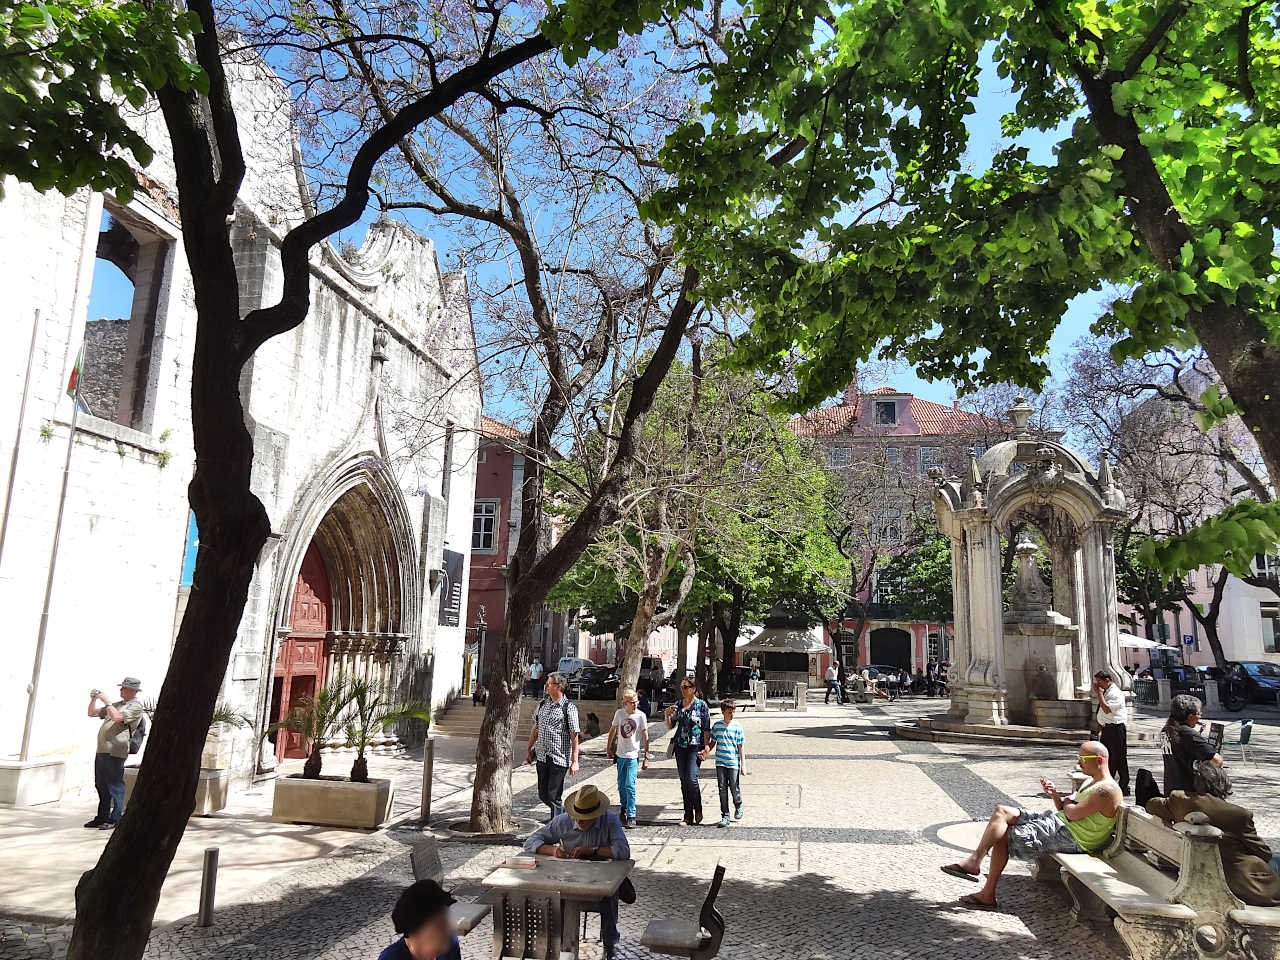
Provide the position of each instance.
(629, 746)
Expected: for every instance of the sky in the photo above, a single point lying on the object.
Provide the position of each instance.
(111, 294)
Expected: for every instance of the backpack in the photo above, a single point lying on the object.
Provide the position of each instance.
(138, 734)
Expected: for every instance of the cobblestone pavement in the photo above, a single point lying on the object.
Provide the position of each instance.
(837, 857)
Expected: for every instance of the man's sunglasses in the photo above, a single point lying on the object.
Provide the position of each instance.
(1086, 756)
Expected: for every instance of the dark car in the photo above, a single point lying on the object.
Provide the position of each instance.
(594, 683)
(1261, 680)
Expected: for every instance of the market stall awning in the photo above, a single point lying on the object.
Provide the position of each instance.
(786, 640)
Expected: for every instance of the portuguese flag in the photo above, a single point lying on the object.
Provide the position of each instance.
(73, 384)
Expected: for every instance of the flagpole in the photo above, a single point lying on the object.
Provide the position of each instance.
(34, 686)
(17, 437)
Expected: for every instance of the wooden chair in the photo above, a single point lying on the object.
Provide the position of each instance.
(697, 939)
(424, 859)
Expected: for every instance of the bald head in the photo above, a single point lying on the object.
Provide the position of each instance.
(1094, 758)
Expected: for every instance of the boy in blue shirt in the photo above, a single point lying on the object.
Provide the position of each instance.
(727, 738)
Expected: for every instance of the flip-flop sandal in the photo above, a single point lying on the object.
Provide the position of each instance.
(970, 901)
(955, 870)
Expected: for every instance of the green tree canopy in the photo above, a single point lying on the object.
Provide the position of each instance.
(889, 227)
(69, 70)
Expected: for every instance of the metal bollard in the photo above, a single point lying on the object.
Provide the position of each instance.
(428, 763)
(208, 884)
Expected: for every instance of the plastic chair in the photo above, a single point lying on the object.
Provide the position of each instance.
(1242, 741)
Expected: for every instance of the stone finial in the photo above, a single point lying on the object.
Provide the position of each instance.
(380, 341)
(1020, 413)
(1029, 593)
(1105, 479)
(971, 485)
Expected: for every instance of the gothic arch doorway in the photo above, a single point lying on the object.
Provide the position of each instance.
(347, 613)
(891, 647)
(300, 657)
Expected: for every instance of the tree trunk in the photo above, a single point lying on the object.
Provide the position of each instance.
(682, 647)
(311, 769)
(116, 900)
(646, 608)
(700, 663)
(491, 796)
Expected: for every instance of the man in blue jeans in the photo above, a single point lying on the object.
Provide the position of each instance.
(119, 720)
(587, 831)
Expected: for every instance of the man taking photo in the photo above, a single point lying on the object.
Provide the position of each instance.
(119, 720)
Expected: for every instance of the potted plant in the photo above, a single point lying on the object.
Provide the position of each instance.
(211, 791)
(358, 710)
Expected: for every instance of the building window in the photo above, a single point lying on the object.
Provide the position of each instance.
(1270, 613)
(893, 461)
(483, 455)
(1267, 566)
(886, 413)
(930, 457)
(121, 339)
(446, 468)
(484, 527)
(838, 456)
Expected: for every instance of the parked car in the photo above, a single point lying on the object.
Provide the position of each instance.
(1261, 680)
(594, 683)
(569, 666)
(652, 673)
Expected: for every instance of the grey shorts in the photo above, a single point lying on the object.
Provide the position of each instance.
(1039, 833)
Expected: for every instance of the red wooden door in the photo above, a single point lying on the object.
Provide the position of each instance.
(299, 667)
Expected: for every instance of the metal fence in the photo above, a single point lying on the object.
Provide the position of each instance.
(1146, 691)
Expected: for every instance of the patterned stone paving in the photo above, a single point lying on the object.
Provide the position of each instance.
(837, 858)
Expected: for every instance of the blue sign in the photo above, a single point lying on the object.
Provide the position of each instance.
(1188, 639)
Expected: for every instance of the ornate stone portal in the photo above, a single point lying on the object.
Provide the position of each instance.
(1033, 663)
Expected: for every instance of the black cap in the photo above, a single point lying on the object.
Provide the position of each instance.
(418, 904)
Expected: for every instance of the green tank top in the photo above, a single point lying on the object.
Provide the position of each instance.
(1093, 832)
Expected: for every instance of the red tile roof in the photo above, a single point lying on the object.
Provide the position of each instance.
(933, 419)
(498, 430)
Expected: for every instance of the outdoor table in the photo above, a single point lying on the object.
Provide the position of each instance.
(537, 910)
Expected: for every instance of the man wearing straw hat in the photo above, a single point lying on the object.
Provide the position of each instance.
(587, 831)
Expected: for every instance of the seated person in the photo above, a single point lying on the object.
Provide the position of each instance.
(644, 703)
(1246, 859)
(421, 917)
(873, 685)
(593, 726)
(1079, 825)
(587, 830)
(1183, 746)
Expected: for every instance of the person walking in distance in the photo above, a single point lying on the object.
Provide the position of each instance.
(119, 721)
(1109, 722)
(553, 743)
(833, 683)
(690, 721)
(629, 748)
(727, 736)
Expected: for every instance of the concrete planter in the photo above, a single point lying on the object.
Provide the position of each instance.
(25, 783)
(332, 802)
(211, 791)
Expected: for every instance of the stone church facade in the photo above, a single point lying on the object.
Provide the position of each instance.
(364, 427)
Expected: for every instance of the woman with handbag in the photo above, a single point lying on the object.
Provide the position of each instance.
(1190, 763)
(691, 722)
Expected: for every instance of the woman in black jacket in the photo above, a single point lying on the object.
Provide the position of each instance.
(1183, 745)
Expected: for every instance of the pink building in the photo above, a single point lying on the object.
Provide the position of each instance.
(908, 436)
(495, 531)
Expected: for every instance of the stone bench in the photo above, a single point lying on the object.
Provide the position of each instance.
(1166, 891)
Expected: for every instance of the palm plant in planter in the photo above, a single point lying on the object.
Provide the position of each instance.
(374, 709)
(317, 719)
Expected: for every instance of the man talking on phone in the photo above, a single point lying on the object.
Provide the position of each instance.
(119, 720)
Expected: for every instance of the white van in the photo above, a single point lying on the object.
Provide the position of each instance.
(568, 666)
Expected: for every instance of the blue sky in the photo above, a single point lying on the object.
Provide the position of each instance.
(111, 294)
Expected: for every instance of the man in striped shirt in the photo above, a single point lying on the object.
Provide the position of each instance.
(727, 738)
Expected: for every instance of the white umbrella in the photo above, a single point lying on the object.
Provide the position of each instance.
(1134, 642)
